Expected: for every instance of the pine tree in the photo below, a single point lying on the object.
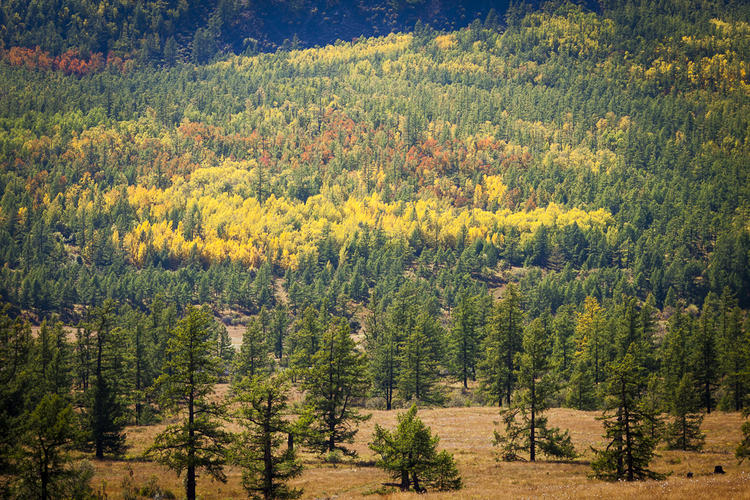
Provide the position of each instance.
(51, 361)
(410, 454)
(675, 350)
(581, 393)
(43, 464)
(224, 349)
(525, 425)
(684, 432)
(382, 350)
(262, 413)
(16, 347)
(648, 330)
(705, 357)
(337, 378)
(418, 361)
(464, 339)
(590, 336)
(502, 342)
(140, 380)
(252, 359)
(630, 447)
(628, 326)
(563, 348)
(262, 288)
(279, 323)
(735, 357)
(386, 341)
(105, 406)
(305, 341)
(185, 386)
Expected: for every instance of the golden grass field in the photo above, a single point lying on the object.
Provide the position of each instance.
(467, 432)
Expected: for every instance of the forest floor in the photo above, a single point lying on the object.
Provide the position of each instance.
(467, 433)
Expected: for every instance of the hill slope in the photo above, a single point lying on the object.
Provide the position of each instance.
(612, 168)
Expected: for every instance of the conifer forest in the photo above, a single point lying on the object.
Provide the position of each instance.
(333, 249)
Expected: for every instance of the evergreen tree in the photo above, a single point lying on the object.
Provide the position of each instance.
(337, 378)
(675, 350)
(630, 447)
(279, 323)
(464, 339)
(383, 349)
(224, 349)
(410, 454)
(684, 432)
(418, 360)
(105, 404)
(386, 341)
(581, 393)
(502, 342)
(563, 348)
(43, 464)
(590, 336)
(628, 326)
(525, 425)
(262, 413)
(16, 347)
(186, 386)
(252, 359)
(735, 357)
(51, 361)
(305, 341)
(262, 288)
(138, 342)
(705, 357)
(648, 330)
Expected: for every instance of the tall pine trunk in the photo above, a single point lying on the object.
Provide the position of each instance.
(532, 430)
(267, 451)
(190, 478)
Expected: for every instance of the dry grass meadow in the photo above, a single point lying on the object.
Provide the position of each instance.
(467, 432)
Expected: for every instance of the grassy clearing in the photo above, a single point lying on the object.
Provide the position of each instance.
(467, 433)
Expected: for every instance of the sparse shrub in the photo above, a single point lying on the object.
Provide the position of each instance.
(333, 457)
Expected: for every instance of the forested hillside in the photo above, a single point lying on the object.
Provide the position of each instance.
(163, 32)
(554, 184)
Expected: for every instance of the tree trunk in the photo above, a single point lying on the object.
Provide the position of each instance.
(404, 480)
(267, 456)
(44, 476)
(684, 432)
(737, 395)
(464, 362)
(138, 355)
(628, 439)
(707, 395)
(190, 477)
(532, 430)
(415, 480)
